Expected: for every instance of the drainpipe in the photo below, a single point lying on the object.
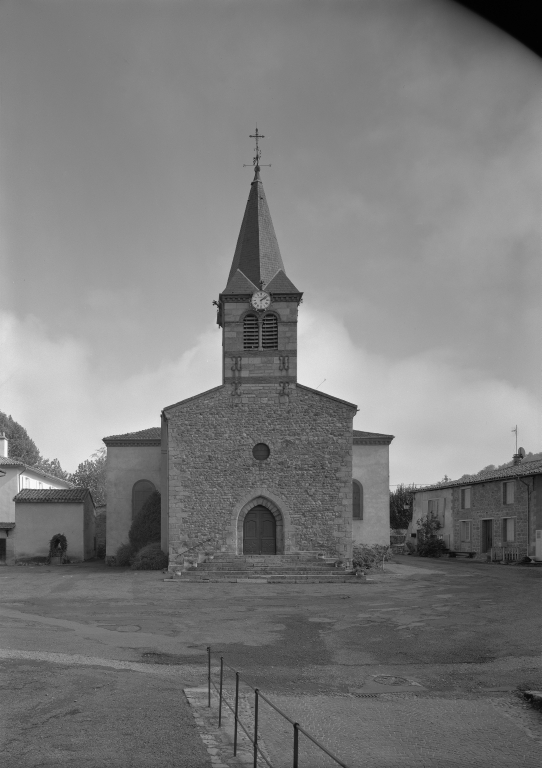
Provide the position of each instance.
(528, 486)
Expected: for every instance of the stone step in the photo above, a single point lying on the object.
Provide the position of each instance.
(264, 568)
(274, 579)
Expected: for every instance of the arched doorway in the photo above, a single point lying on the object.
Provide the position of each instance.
(259, 532)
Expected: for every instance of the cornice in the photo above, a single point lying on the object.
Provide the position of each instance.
(134, 442)
(372, 440)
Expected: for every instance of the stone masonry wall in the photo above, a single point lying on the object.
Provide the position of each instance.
(486, 502)
(213, 474)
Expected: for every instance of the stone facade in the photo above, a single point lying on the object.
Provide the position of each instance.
(487, 504)
(214, 479)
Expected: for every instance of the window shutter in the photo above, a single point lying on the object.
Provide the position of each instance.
(270, 332)
(251, 332)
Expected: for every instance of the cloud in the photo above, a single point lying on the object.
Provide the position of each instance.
(446, 418)
(50, 386)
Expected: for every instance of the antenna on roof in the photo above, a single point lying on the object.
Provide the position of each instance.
(516, 431)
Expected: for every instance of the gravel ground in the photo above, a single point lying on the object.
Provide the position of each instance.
(94, 662)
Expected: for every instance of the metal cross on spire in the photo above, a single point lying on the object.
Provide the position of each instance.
(257, 152)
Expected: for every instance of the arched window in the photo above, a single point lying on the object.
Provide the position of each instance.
(357, 500)
(251, 332)
(140, 493)
(270, 332)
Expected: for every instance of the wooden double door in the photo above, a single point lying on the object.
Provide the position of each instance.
(259, 532)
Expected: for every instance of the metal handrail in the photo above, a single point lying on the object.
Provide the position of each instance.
(257, 695)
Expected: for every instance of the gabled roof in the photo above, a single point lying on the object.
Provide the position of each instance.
(524, 469)
(54, 496)
(257, 253)
(279, 283)
(151, 436)
(13, 461)
(370, 438)
(239, 283)
(325, 395)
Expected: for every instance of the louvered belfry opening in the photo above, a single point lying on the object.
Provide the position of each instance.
(270, 332)
(251, 332)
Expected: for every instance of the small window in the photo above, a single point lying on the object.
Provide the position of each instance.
(251, 332)
(508, 489)
(465, 498)
(508, 529)
(436, 507)
(261, 451)
(465, 530)
(357, 500)
(270, 332)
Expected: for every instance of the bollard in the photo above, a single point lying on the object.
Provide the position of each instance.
(236, 713)
(208, 675)
(220, 696)
(256, 728)
(296, 745)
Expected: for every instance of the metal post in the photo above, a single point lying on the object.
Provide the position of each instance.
(255, 728)
(208, 675)
(236, 713)
(220, 697)
(296, 745)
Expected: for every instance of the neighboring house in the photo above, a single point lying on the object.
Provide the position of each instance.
(497, 512)
(16, 476)
(40, 514)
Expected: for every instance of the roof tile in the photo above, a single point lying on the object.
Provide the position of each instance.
(53, 496)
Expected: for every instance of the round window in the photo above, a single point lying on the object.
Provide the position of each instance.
(261, 451)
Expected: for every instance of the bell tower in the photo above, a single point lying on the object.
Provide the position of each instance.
(257, 310)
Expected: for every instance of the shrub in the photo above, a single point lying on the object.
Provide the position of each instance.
(150, 558)
(146, 528)
(124, 555)
(367, 556)
(429, 543)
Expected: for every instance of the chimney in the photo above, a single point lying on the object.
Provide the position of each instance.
(3, 446)
(518, 457)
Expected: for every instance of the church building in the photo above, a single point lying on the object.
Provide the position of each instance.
(260, 464)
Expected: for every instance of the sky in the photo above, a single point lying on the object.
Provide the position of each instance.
(405, 188)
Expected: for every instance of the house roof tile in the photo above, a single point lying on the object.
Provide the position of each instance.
(516, 470)
(359, 438)
(13, 461)
(151, 436)
(53, 496)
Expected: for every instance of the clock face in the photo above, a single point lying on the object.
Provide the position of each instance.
(260, 300)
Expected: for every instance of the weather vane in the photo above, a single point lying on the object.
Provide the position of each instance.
(257, 152)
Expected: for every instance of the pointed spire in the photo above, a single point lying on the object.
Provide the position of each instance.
(257, 254)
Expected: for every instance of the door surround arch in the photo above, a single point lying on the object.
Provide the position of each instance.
(265, 499)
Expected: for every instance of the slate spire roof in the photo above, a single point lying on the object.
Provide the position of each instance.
(257, 255)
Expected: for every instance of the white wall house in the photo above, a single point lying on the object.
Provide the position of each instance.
(16, 476)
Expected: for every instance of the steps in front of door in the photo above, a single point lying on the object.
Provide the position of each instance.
(302, 567)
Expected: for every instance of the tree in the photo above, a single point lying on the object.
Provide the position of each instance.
(401, 506)
(429, 543)
(20, 445)
(146, 525)
(52, 467)
(91, 474)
